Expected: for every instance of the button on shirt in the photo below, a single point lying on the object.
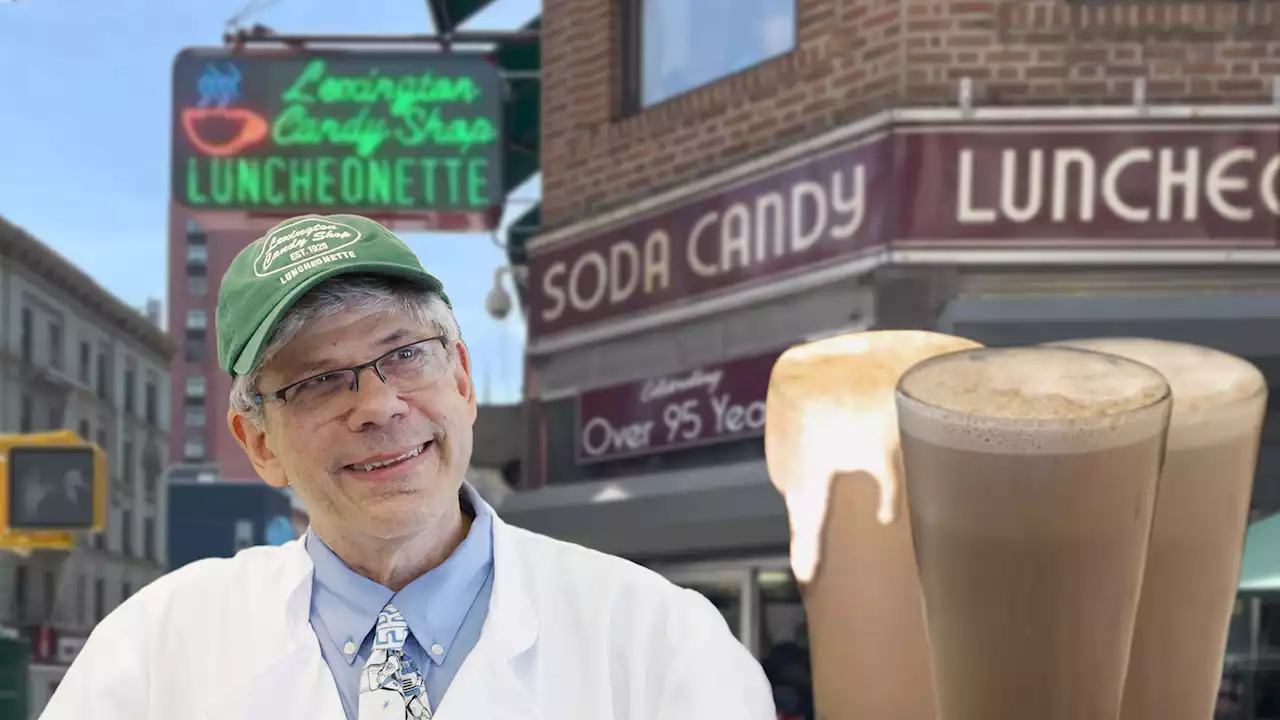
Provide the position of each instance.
(445, 609)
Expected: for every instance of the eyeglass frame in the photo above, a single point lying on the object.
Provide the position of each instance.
(261, 398)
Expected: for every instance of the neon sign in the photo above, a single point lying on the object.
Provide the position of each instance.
(374, 133)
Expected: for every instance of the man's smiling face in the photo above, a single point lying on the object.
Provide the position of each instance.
(380, 461)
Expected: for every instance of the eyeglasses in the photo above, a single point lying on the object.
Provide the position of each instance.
(407, 368)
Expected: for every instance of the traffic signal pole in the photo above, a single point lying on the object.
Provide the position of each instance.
(53, 488)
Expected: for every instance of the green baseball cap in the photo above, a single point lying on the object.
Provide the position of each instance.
(277, 269)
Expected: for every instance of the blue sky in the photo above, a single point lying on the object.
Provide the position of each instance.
(84, 140)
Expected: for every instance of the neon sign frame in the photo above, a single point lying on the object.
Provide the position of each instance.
(392, 135)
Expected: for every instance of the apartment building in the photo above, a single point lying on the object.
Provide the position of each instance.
(73, 356)
(201, 248)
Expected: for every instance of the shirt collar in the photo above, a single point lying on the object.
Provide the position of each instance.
(434, 604)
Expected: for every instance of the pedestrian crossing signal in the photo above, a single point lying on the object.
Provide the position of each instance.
(53, 486)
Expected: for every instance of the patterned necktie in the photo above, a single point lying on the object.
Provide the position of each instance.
(391, 686)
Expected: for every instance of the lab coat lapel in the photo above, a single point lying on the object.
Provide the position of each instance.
(298, 686)
(292, 681)
(494, 682)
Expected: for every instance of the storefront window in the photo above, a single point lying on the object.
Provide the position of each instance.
(761, 605)
(1271, 425)
(679, 45)
(1250, 686)
(784, 644)
(725, 594)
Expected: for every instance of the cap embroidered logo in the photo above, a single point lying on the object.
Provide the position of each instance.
(301, 245)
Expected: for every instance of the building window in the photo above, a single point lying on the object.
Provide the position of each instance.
(82, 599)
(126, 465)
(152, 408)
(84, 362)
(130, 388)
(20, 592)
(126, 532)
(149, 538)
(195, 388)
(50, 593)
(28, 334)
(56, 418)
(193, 450)
(668, 49)
(194, 417)
(84, 430)
(102, 375)
(99, 599)
(27, 414)
(193, 346)
(197, 265)
(196, 236)
(244, 531)
(151, 470)
(55, 345)
(196, 320)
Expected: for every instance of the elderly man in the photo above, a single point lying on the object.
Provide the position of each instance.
(408, 597)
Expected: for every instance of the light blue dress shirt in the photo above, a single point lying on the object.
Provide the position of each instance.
(445, 609)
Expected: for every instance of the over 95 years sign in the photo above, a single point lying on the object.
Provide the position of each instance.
(701, 406)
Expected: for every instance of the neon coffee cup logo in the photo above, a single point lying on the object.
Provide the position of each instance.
(239, 128)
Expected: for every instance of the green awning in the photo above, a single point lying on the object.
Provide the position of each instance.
(523, 117)
(519, 232)
(1260, 571)
(522, 59)
(524, 132)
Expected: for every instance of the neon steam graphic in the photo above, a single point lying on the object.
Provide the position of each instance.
(219, 89)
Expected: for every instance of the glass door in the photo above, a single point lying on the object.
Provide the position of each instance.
(733, 586)
(725, 587)
(783, 639)
(760, 602)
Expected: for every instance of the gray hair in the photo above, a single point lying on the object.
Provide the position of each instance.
(369, 293)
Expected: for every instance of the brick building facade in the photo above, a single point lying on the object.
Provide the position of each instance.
(202, 247)
(855, 57)
(1013, 172)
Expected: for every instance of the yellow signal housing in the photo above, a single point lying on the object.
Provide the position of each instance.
(53, 487)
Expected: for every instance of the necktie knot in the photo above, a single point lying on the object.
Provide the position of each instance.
(392, 629)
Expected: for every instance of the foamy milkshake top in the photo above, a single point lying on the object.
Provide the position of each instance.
(1034, 399)
(856, 366)
(1202, 379)
(1216, 395)
(1037, 383)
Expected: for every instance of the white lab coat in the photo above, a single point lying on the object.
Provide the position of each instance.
(571, 634)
